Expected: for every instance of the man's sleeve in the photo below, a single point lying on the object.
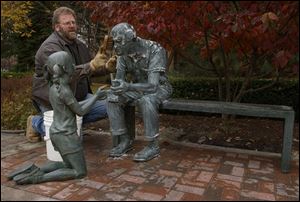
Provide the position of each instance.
(121, 68)
(158, 59)
(43, 54)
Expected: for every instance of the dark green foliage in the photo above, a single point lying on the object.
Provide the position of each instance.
(7, 75)
(16, 104)
(25, 48)
(286, 92)
(195, 88)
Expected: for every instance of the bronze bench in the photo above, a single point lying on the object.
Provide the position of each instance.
(258, 110)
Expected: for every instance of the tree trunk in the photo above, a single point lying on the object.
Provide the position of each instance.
(170, 65)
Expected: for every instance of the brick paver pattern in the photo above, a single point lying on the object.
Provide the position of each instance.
(179, 173)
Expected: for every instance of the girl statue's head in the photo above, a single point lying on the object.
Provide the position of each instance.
(59, 65)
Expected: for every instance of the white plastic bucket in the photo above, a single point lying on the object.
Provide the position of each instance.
(53, 155)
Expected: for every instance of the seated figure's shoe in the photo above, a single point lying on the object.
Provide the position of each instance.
(124, 146)
(25, 169)
(120, 149)
(31, 134)
(147, 154)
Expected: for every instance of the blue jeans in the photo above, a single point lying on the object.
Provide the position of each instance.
(97, 112)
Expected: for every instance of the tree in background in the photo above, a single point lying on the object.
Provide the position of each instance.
(26, 24)
(14, 17)
(14, 21)
(238, 39)
(31, 22)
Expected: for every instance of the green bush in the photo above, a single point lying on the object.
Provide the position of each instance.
(7, 75)
(16, 104)
(194, 88)
(285, 92)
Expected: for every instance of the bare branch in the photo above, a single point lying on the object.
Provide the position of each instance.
(251, 90)
(190, 60)
(210, 55)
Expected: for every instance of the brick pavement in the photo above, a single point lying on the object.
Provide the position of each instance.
(179, 173)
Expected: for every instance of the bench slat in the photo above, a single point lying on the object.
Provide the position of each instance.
(274, 111)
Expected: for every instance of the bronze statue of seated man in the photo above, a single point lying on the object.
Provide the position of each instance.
(140, 80)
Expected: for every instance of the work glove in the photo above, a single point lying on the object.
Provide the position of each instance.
(98, 62)
(111, 64)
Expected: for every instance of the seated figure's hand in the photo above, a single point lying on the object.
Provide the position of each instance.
(120, 88)
(98, 62)
(111, 64)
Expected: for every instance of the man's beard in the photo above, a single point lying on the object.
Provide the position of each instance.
(71, 35)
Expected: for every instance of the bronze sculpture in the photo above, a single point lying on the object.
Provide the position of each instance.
(63, 130)
(143, 61)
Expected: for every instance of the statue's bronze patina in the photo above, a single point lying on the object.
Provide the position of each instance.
(63, 130)
(140, 80)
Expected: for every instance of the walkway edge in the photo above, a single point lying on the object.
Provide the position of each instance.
(224, 149)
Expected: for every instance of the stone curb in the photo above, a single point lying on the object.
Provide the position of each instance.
(295, 155)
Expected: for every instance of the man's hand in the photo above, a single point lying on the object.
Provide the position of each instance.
(111, 64)
(98, 61)
(120, 88)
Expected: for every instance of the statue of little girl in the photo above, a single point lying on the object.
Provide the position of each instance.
(63, 131)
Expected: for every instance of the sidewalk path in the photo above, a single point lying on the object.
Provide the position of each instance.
(179, 173)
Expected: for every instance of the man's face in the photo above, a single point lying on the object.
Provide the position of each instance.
(120, 45)
(67, 26)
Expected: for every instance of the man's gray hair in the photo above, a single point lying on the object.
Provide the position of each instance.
(59, 11)
(124, 29)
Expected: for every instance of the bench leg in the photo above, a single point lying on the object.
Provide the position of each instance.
(130, 123)
(287, 143)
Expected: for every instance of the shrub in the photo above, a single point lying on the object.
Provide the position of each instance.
(285, 92)
(16, 104)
